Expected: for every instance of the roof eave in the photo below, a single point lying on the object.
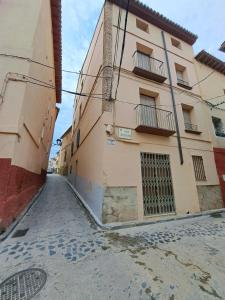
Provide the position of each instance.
(57, 45)
(211, 61)
(222, 47)
(146, 13)
(66, 132)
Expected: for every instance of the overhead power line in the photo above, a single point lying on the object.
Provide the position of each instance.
(200, 81)
(116, 48)
(203, 79)
(123, 46)
(41, 83)
(96, 96)
(50, 67)
(65, 91)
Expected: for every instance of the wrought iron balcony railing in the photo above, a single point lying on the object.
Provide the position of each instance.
(154, 120)
(183, 83)
(192, 128)
(189, 126)
(220, 133)
(149, 67)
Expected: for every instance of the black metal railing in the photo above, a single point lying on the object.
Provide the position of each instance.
(149, 116)
(148, 63)
(191, 127)
(220, 132)
(183, 82)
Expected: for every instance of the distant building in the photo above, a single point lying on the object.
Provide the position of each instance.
(145, 149)
(52, 165)
(65, 153)
(30, 85)
(57, 162)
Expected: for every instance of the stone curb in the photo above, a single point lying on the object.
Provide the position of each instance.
(135, 224)
(22, 215)
(87, 208)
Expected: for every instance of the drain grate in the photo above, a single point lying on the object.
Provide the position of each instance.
(20, 232)
(23, 285)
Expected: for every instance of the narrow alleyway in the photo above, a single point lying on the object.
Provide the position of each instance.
(57, 210)
(174, 260)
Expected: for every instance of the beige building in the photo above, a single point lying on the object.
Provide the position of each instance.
(30, 87)
(213, 92)
(145, 149)
(65, 152)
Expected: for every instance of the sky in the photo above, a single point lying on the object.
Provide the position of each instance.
(206, 18)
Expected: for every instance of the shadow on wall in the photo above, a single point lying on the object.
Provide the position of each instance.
(91, 193)
(63, 171)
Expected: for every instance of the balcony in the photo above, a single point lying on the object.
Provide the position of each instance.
(191, 128)
(183, 84)
(154, 120)
(148, 67)
(220, 133)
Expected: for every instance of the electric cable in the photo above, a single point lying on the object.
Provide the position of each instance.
(123, 46)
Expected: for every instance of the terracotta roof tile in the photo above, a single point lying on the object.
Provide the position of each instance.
(148, 14)
(222, 47)
(211, 61)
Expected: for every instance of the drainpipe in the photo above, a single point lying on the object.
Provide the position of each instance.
(173, 101)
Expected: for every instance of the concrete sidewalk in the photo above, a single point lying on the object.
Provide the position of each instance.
(182, 259)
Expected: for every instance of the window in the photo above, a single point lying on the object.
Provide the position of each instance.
(187, 119)
(143, 55)
(78, 138)
(218, 126)
(187, 116)
(199, 168)
(82, 85)
(43, 132)
(142, 25)
(80, 111)
(65, 154)
(72, 146)
(182, 78)
(148, 111)
(176, 43)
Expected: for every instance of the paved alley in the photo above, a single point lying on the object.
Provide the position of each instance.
(173, 260)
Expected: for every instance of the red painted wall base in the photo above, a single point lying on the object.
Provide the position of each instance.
(219, 154)
(17, 188)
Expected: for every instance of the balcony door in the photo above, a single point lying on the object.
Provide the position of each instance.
(148, 111)
(143, 61)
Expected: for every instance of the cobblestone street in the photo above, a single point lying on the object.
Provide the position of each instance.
(173, 260)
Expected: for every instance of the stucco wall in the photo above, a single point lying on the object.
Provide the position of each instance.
(87, 168)
(65, 154)
(87, 165)
(210, 90)
(113, 164)
(27, 109)
(210, 197)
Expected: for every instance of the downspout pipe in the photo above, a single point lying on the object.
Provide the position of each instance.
(173, 101)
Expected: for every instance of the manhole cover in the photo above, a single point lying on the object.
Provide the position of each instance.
(23, 285)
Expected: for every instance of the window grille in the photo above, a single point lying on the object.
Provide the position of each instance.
(157, 184)
(199, 168)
